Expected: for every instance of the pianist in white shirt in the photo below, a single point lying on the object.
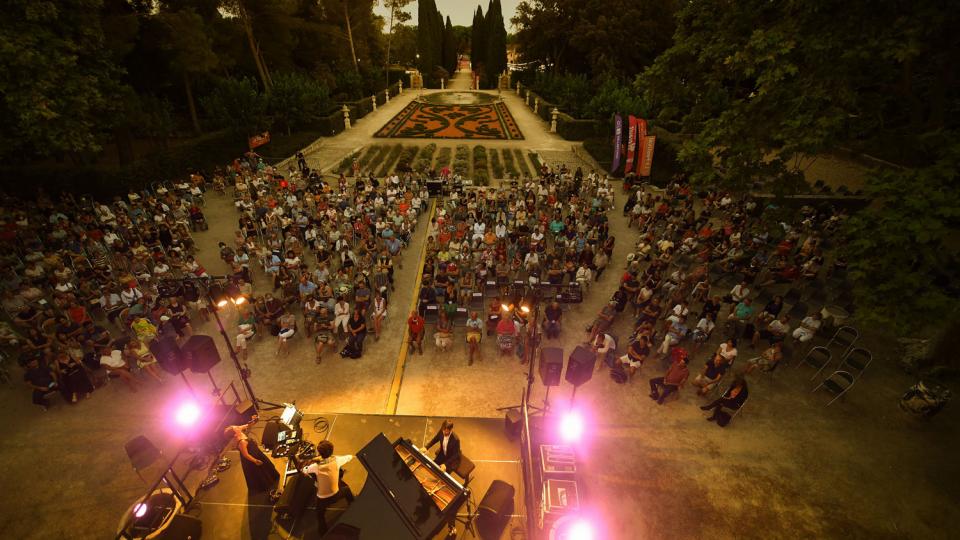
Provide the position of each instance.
(325, 470)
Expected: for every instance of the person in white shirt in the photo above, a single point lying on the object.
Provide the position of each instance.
(603, 344)
(325, 469)
(341, 316)
(808, 327)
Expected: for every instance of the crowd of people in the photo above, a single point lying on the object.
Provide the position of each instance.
(328, 250)
(83, 280)
(507, 248)
(694, 245)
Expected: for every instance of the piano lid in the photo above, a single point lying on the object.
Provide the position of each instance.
(392, 504)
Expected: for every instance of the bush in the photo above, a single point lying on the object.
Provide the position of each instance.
(425, 158)
(573, 129)
(536, 162)
(461, 164)
(405, 163)
(443, 158)
(374, 158)
(296, 100)
(522, 161)
(496, 164)
(480, 172)
(508, 161)
(390, 159)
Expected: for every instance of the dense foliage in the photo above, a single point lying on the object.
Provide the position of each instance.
(488, 47)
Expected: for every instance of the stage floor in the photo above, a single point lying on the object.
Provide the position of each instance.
(229, 512)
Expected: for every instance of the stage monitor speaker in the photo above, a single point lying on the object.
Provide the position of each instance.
(580, 365)
(551, 365)
(512, 422)
(494, 510)
(182, 527)
(271, 434)
(298, 493)
(167, 353)
(200, 353)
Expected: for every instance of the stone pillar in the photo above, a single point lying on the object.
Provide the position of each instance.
(526, 99)
(536, 105)
(553, 120)
(373, 101)
(387, 94)
(518, 88)
(441, 84)
(346, 117)
(400, 86)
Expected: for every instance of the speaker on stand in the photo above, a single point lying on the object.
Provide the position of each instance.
(494, 510)
(580, 368)
(200, 354)
(551, 367)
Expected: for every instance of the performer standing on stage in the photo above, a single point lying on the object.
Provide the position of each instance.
(329, 480)
(449, 453)
(258, 470)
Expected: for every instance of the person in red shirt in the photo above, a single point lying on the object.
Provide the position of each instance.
(416, 326)
(661, 387)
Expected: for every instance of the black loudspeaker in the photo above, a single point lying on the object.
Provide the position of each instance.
(200, 353)
(551, 365)
(271, 434)
(512, 423)
(167, 353)
(580, 366)
(298, 493)
(182, 527)
(494, 510)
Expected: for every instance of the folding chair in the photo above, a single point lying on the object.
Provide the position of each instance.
(432, 314)
(818, 357)
(839, 382)
(856, 361)
(476, 301)
(460, 317)
(491, 289)
(844, 338)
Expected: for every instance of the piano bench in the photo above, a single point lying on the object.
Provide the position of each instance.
(465, 469)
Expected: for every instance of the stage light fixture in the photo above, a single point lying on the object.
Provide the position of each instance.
(580, 530)
(571, 426)
(504, 307)
(139, 510)
(187, 414)
(525, 309)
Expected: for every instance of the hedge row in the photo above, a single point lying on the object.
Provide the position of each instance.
(461, 164)
(443, 157)
(536, 162)
(496, 163)
(508, 162)
(404, 164)
(481, 174)
(390, 159)
(425, 158)
(524, 168)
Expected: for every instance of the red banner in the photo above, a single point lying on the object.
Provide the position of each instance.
(641, 136)
(259, 140)
(647, 145)
(631, 144)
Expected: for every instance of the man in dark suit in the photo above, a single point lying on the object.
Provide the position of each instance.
(449, 453)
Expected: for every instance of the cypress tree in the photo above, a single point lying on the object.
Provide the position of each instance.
(478, 42)
(449, 48)
(495, 57)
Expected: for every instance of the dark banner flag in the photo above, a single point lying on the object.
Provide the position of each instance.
(631, 145)
(646, 163)
(617, 137)
(641, 136)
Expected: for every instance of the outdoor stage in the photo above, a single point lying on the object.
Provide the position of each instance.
(229, 512)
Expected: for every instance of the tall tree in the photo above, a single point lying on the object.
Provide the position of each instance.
(353, 50)
(239, 9)
(190, 50)
(478, 40)
(495, 56)
(59, 83)
(397, 17)
(429, 37)
(449, 48)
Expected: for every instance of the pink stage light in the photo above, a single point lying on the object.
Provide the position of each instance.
(571, 426)
(187, 414)
(139, 510)
(580, 530)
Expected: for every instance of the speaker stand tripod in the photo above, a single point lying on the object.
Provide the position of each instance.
(466, 521)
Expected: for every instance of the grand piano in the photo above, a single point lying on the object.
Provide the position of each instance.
(406, 496)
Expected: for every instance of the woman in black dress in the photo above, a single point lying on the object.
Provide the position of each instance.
(73, 377)
(258, 470)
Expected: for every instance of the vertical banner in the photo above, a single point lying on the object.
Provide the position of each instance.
(646, 163)
(617, 136)
(641, 137)
(631, 145)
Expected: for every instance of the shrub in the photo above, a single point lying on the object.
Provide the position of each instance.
(480, 161)
(508, 161)
(404, 164)
(535, 159)
(374, 158)
(390, 159)
(496, 164)
(574, 129)
(522, 161)
(425, 158)
(366, 158)
(443, 157)
(461, 164)
(346, 164)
